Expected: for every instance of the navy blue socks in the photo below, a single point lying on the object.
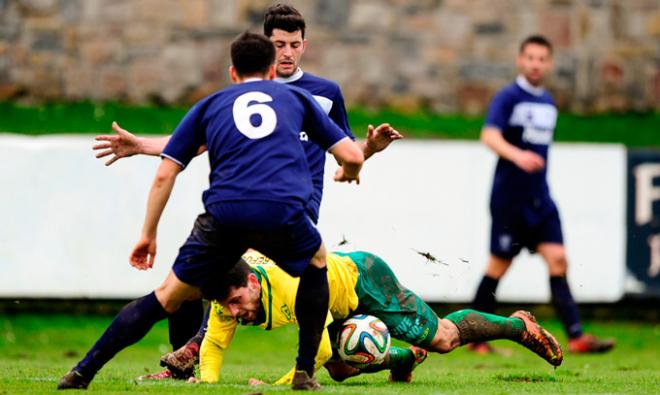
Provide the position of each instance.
(311, 310)
(484, 300)
(565, 306)
(201, 332)
(185, 322)
(129, 326)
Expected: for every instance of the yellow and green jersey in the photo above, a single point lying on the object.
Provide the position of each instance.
(278, 297)
(359, 282)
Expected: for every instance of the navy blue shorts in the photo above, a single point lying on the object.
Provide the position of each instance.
(220, 236)
(517, 227)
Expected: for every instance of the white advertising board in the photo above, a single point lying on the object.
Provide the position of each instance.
(69, 223)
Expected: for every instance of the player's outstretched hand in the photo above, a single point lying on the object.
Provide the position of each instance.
(340, 176)
(144, 253)
(529, 161)
(121, 145)
(253, 381)
(380, 137)
(194, 380)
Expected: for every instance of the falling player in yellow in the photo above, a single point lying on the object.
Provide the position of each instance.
(262, 294)
(268, 300)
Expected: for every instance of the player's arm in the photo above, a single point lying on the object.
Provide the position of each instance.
(378, 139)
(528, 161)
(346, 151)
(497, 120)
(337, 139)
(189, 135)
(218, 337)
(349, 154)
(124, 144)
(144, 251)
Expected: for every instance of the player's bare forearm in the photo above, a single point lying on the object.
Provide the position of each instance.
(144, 253)
(124, 144)
(153, 146)
(526, 160)
(493, 139)
(349, 154)
(159, 195)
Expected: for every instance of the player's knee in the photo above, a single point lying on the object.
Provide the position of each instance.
(497, 267)
(169, 306)
(167, 300)
(318, 260)
(173, 292)
(318, 263)
(555, 256)
(558, 266)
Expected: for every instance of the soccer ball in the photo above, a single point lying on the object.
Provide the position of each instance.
(363, 340)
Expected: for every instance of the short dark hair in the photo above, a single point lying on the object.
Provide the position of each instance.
(236, 277)
(284, 17)
(252, 53)
(536, 39)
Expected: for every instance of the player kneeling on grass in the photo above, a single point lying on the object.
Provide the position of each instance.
(359, 283)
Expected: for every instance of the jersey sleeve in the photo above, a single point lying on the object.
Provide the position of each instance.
(339, 116)
(325, 350)
(220, 332)
(318, 126)
(322, 356)
(499, 111)
(188, 136)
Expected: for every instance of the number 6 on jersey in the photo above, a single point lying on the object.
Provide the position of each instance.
(243, 110)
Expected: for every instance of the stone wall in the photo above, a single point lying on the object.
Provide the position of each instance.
(444, 55)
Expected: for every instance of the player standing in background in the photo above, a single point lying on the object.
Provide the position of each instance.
(259, 185)
(285, 26)
(519, 128)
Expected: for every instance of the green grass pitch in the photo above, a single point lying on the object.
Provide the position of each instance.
(36, 350)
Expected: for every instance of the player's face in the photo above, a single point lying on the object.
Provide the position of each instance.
(243, 303)
(289, 48)
(535, 62)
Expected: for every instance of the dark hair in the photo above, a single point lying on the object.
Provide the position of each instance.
(252, 53)
(236, 277)
(284, 17)
(538, 40)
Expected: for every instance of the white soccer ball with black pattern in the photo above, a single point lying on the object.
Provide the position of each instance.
(363, 340)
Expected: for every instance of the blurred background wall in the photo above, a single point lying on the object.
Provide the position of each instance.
(441, 55)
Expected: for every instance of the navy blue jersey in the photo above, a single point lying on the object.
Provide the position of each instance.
(251, 131)
(329, 97)
(526, 116)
